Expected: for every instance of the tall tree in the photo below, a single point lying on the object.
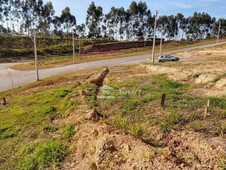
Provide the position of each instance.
(94, 19)
(81, 29)
(68, 21)
(31, 13)
(133, 20)
(47, 16)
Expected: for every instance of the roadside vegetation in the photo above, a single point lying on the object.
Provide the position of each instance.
(56, 61)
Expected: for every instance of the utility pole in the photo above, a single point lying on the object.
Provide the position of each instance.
(79, 44)
(73, 42)
(160, 53)
(36, 57)
(153, 48)
(218, 34)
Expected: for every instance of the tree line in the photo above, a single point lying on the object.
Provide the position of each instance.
(136, 22)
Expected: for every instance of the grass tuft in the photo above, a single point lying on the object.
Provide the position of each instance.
(68, 131)
(42, 155)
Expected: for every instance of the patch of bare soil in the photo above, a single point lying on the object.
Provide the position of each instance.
(201, 67)
(100, 146)
(102, 53)
(97, 145)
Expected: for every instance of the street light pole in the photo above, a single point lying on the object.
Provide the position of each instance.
(36, 56)
(160, 53)
(73, 42)
(79, 44)
(218, 34)
(153, 47)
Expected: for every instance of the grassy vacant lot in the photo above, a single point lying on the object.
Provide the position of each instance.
(73, 121)
(50, 62)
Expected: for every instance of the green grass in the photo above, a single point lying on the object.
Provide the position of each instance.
(136, 113)
(68, 131)
(49, 128)
(216, 102)
(222, 163)
(28, 114)
(42, 155)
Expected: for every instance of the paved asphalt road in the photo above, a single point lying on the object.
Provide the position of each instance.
(11, 78)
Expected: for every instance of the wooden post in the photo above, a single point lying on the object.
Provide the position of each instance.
(163, 99)
(206, 108)
(3, 101)
(208, 103)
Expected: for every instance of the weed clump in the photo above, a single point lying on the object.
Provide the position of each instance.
(69, 131)
(42, 155)
(49, 128)
(8, 132)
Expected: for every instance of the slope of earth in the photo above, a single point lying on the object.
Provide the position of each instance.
(112, 118)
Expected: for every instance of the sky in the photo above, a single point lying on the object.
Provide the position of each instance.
(216, 8)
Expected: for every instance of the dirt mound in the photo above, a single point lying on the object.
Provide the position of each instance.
(205, 78)
(98, 79)
(193, 150)
(102, 147)
(220, 84)
(172, 73)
